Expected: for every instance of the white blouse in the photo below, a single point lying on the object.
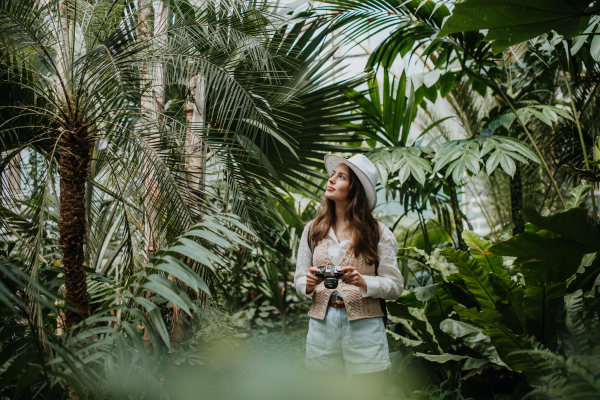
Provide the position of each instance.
(387, 285)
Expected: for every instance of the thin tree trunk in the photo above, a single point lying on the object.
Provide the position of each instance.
(144, 31)
(74, 168)
(283, 302)
(153, 99)
(458, 223)
(425, 233)
(516, 201)
(195, 148)
(161, 24)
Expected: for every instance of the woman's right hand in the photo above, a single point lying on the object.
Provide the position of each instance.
(312, 281)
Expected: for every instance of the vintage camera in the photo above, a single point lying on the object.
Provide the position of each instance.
(331, 274)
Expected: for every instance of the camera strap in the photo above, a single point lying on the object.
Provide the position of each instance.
(311, 246)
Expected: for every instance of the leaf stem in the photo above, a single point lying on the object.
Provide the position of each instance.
(537, 150)
(495, 88)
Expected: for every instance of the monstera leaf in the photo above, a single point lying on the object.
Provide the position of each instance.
(510, 22)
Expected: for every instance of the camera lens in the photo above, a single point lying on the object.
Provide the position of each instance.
(331, 283)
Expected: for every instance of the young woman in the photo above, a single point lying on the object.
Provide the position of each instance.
(346, 330)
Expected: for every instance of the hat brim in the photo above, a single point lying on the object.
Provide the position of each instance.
(332, 161)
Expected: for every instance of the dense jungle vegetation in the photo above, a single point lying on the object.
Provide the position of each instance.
(159, 160)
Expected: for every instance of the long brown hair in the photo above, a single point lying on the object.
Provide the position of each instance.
(362, 224)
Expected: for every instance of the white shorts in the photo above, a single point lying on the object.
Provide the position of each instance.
(336, 344)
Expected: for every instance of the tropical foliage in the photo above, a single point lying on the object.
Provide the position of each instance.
(159, 160)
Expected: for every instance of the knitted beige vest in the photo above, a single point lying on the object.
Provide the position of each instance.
(357, 307)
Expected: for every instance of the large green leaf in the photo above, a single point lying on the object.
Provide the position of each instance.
(443, 358)
(584, 279)
(475, 276)
(572, 331)
(572, 224)
(410, 299)
(578, 195)
(419, 324)
(550, 260)
(458, 289)
(511, 306)
(512, 349)
(471, 336)
(510, 22)
(437, 309)
(544, 305)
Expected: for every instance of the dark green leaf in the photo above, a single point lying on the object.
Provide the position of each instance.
(511, 306)
(437, 309)
(472, 337)
(544, 305)
(510, 22)
(475, 276)
(572, 332)
(572, 224)
(511, 348)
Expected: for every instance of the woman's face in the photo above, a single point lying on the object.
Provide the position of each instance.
(338, 184)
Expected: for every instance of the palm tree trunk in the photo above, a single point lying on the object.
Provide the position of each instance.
(458, 223)
(161, 24)
(516, 201)
(153, 97)
(74, 168)
(144, 31)
(195, 149)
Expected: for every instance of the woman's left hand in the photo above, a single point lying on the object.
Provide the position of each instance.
(353, 277)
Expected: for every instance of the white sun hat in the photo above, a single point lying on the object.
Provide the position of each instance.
(362, 167)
